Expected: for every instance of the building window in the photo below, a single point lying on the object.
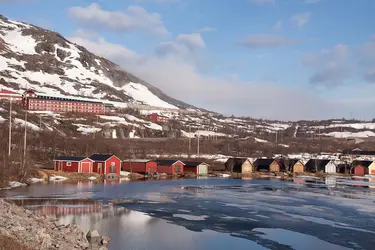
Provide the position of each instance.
(69, 163)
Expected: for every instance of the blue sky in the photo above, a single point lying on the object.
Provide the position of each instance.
(284, 59)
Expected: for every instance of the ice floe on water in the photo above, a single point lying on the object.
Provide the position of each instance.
(190, 217)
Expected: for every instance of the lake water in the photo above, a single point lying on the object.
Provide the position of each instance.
(304, 213)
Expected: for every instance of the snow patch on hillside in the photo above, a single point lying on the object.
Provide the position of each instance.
(87, 129)
(365, 125)
(202, 133)
(28, 124)
(19, 43)
(142, 94)
(2, 120)
(153, 126)
(361, 134)
(260, 140)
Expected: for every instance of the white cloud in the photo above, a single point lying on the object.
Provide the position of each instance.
(262, 2)
(266, 41)
(331, 67)
(101, 47)
(207, 29)
(132, 18)
(182, 79)
(301, 19)
(193, 41)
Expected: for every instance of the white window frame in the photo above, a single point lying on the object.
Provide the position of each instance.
(69, 164)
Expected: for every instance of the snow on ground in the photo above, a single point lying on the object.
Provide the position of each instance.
(2, 110)
(284, 145)
(295, 131)
(19, 43)
(14, 184)
(57, 178)
(134, 119)
(142, 94)
(153, 126)
(2, 120)
(35, 180)
(86, 129)
(365, 125)
(29, 124)
(361, 134)
(260, 140)
(202, 133)
(114, 134)
(92, 178)
(280, 126)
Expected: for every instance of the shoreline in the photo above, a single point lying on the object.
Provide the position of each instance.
(23, 229)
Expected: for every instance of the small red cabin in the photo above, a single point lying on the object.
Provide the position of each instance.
(360, 167)
(73, 164)
(198, 168)
(170, 166)
(158, 118)
(140, 166)
(106, 164)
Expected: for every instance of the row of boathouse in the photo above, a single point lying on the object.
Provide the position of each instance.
(108, 164)
(250, 165)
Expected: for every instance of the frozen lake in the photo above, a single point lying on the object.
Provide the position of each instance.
(303, 213)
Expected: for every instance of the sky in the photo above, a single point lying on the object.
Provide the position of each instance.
(274, 59)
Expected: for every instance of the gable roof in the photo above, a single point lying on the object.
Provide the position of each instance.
(319, 164)
(168, 162)
(194, 163)
(100, 157)
(363, 163)
(137, 160)
(69, 158)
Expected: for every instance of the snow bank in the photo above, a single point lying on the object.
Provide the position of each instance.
(35, 180)
(14, 184)
(57, 178)
(92, 178)
(2, 120)
(153, 126)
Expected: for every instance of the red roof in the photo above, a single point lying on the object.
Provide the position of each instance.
(4, 91)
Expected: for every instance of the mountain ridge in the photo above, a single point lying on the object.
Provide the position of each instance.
(47, 62)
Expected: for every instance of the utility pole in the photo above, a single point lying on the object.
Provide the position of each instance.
(189, 139)
(198, 144)
(10, 128)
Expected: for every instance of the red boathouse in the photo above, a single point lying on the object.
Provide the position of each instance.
(73, 164)
(170, 166)
(106, 164)
(140, 166)
(360, 167)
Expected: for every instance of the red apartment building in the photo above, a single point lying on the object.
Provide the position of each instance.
(31, 101)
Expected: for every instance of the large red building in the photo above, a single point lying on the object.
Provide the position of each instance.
(32, 101)
(10, 95)
(140, 166)
(73, 164)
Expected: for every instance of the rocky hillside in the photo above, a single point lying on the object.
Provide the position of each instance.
(43, 60)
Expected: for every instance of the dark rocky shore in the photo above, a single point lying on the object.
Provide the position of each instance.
(19, 226)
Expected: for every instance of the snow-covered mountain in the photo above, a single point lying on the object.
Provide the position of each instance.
(39, 59)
